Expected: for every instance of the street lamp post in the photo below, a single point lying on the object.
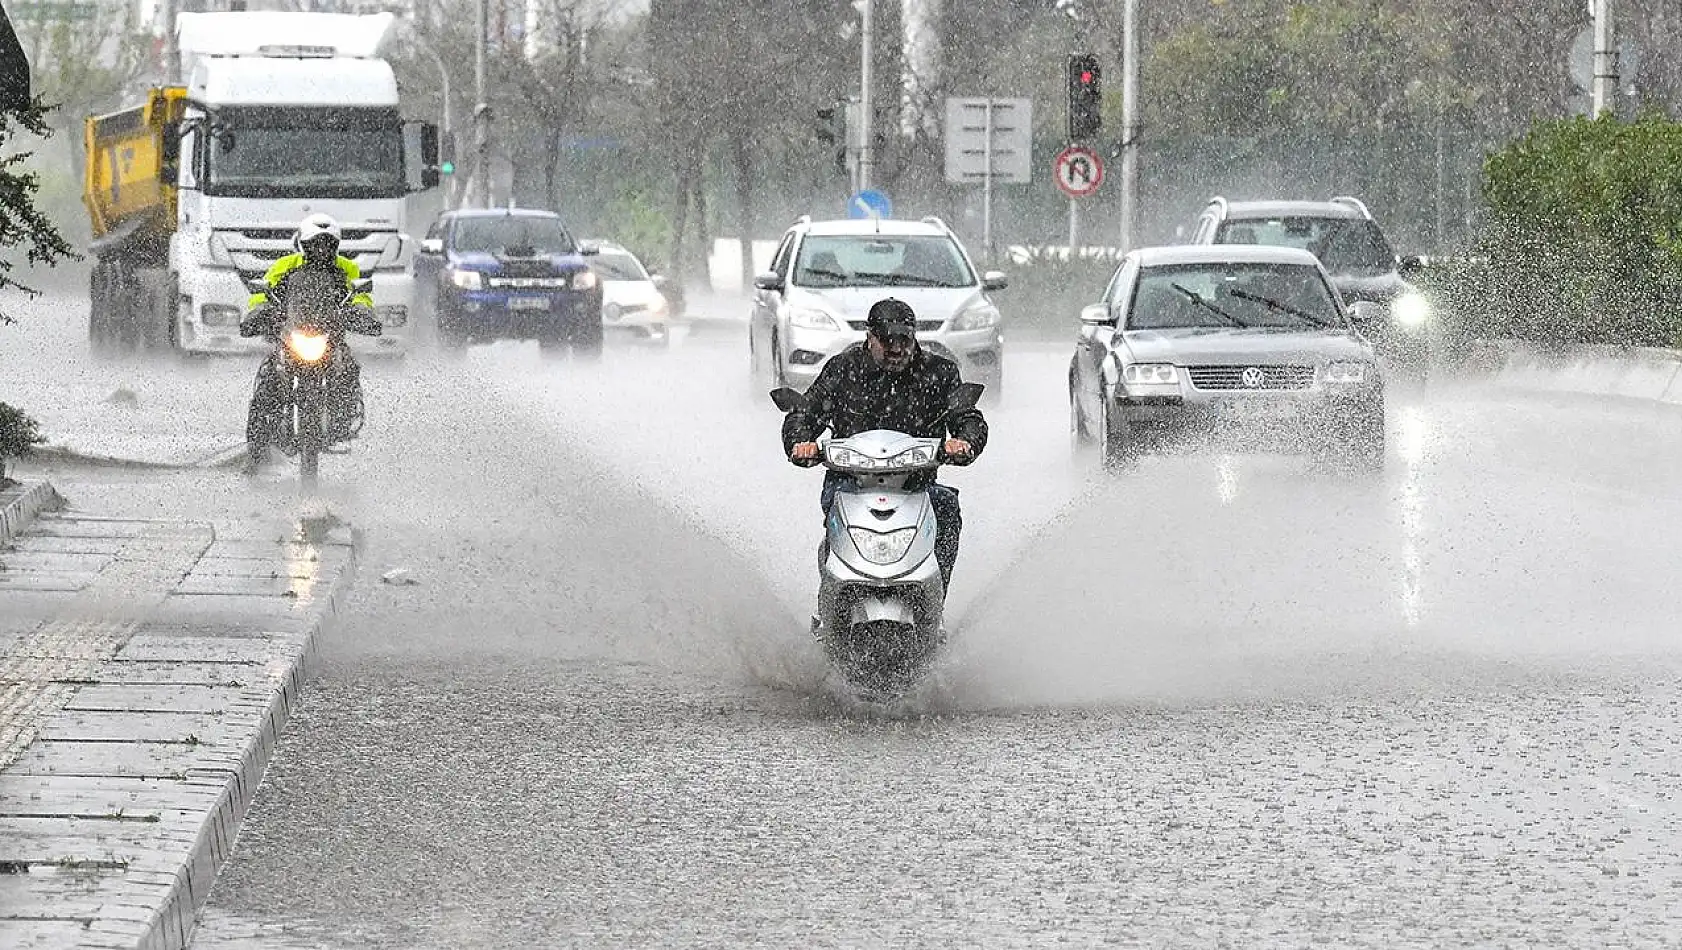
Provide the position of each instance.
(867, 117)
(481, 112)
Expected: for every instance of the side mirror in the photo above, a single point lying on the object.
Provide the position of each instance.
(788, 399)
(432, 246)
(966, 397)
(770, 280)
(1412, 265)
(1365, 311)
(658, 280)
(1097, 315)
(257, 285)
(994, 280)
(363, 286)
(589, 248)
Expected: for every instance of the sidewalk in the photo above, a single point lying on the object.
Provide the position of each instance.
(146, 670)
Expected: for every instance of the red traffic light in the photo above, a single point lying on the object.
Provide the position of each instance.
(1086, 78)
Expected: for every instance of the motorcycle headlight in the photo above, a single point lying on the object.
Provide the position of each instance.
(812, 319)
(584, 280)
(910, 458)
(467, 279)
(978, 317)
(1150, 374)
(1411, 310)
(1345, 373)
(884, 547)
(308, 346)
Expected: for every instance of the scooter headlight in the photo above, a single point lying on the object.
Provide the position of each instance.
(882, 547)
(308, 346)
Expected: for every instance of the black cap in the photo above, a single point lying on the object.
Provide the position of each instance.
(891, 316)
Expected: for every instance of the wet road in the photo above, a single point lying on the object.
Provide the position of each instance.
(1222, 700)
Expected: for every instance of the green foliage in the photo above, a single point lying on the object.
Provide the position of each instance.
(18, 435)
(638, 221)
(21, 223)
(1583, 234)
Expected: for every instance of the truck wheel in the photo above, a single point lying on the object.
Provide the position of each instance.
(99, 310)
(150, 305)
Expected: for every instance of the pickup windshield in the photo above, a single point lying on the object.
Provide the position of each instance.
(311, 152)
(513, 235)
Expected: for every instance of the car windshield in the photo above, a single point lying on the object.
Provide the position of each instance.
(617, 265)
(516, 235)
(1343, 245)
(881, 260)
(1246, 296)
(275, 152)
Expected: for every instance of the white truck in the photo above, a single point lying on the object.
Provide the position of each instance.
(200, 188)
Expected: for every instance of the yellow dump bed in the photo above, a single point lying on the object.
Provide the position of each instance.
(128, 151)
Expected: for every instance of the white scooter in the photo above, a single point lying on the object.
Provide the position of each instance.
(880, 611)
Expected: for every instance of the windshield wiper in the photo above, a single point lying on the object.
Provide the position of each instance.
(1272, 304)
(914, 280)
(1197, 298)
(823, 272)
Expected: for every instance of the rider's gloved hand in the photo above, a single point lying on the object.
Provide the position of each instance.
(361, 320)
(959, 452)
(804, 454)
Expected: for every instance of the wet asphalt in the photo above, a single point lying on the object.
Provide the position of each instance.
(1222, 700)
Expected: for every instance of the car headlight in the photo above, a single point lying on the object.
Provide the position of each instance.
(584, 280)
(659, 307)
(1411, 309)
(467, 279)
(978, 317)
(883, 547)
(1345, 373)
(1150, 374)
(219, 315)
(812, 319)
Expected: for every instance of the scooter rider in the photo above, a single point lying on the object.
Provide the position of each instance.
(890, 382)
(316, 245)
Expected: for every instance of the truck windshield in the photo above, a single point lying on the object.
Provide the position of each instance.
(314, 152)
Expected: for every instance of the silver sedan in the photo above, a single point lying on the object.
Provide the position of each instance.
(1243, 340)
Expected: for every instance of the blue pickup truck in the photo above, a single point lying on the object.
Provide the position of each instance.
(509, 273)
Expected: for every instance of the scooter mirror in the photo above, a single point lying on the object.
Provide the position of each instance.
(965, 397)
(788, 399)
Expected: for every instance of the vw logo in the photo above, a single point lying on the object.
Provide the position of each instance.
(1253, 378)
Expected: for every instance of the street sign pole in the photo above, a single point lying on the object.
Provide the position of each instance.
(987, 191)
(988, 139)
(1129, 120)
(1074, 227)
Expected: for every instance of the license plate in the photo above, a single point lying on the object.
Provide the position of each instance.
(528, 303)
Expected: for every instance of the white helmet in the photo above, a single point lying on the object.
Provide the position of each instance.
(315, 226)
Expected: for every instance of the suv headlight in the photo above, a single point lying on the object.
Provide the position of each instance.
(1345, 373)
(812, 319)
(978, 317)
(883, 547)
(1411, 309)
(467, 279)
(584, 280)
(1150, 374)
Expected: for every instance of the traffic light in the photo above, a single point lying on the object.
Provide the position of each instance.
(829, 129)
(447, 154)
(1086, 100)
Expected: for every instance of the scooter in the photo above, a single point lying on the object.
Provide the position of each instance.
(880, 612)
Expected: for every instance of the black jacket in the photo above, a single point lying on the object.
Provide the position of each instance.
(854, 394)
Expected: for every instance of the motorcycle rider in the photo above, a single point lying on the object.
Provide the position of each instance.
(890, 382)
(315, 245)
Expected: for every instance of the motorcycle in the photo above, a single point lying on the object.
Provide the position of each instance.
(314, 314)
(880, 614)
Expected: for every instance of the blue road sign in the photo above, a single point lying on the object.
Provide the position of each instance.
(870, 203)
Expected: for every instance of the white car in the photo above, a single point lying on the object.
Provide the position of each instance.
(825, 275)
(632, 302)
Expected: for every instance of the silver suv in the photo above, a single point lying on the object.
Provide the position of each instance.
(825, 275)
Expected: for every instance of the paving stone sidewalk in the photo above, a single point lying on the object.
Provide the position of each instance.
(147, 669)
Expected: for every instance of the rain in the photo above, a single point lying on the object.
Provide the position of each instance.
(1314, 583)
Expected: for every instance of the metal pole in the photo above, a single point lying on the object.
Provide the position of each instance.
(172, 48)
(1129, 122)
(867, 118)
(481, 113)
(1605, 57)
(987, 187)
(1074, 228)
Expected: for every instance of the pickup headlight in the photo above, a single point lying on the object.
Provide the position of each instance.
(467, 279)
(883, 547)
(1411, 309)
(1150, 374)
(812, 319)
(978, 317)
(584, 280)
(1345, 373)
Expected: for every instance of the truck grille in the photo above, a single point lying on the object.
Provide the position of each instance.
(1251, 377)
(347, 235)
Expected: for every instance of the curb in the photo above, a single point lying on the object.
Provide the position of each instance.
(64, 455)
(19, 512)
(1643, 373)
(171, 925)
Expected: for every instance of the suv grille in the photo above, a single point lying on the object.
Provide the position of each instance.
(529, 267)
(1233, 377)
(923, 326)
